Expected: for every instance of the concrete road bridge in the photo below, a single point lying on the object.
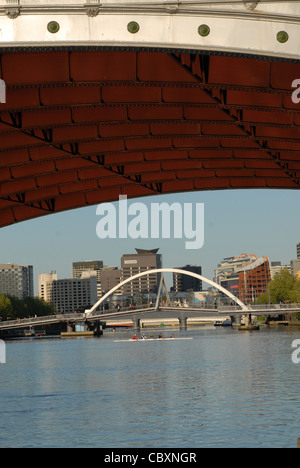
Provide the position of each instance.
(148, 97)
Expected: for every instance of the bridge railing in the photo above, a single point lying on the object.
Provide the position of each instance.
(138, 308)
(31, 321)
(279, 307)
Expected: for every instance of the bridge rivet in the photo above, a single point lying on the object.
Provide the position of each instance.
(53, 27)
(204, 30)
(282, 37)
(133, 27)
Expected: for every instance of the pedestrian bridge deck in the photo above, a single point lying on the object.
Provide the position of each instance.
(168, 312)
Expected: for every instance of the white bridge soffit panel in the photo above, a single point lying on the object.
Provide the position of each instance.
(263, 28)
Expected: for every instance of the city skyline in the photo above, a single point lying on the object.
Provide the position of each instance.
(258, 222)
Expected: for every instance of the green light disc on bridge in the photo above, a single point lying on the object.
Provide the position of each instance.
(53, 27)
(133, 27)
(204, 30)
(282, 37)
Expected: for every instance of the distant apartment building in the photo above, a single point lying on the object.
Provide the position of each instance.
(295, 267)
(89, 266)
(16, 280)
(142, 261)
(227, 272)
(254, 280)
(69, 295)
(45, 285)
(298, 250)
(277, 267)
(183, 283)
(295, 264)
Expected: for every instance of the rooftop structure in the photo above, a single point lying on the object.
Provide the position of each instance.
(231, 265)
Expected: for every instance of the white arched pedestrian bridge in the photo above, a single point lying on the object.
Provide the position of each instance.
(161, 271)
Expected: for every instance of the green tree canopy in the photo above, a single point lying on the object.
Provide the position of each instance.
(284, 287)
(6, 308)
(14, 308)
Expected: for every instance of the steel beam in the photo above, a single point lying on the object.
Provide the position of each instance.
(265, 28)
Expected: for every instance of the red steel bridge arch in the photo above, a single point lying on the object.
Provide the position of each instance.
(85, 121)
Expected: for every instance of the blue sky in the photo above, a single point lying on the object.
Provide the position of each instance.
(262, 222)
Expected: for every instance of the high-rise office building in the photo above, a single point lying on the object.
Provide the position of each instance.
(110, 277)
(143, 260)
(16, 280)
(89, 266)
(183, 283)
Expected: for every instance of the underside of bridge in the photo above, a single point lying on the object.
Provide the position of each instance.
(81, 127)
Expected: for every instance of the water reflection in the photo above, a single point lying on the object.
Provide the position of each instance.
(223, 388)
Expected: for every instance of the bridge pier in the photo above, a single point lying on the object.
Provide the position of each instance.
(247, 320)
(98, 328)
(182, 322)
(236, 320)
(136, 324)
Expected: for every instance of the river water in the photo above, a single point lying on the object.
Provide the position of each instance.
(223, 388)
